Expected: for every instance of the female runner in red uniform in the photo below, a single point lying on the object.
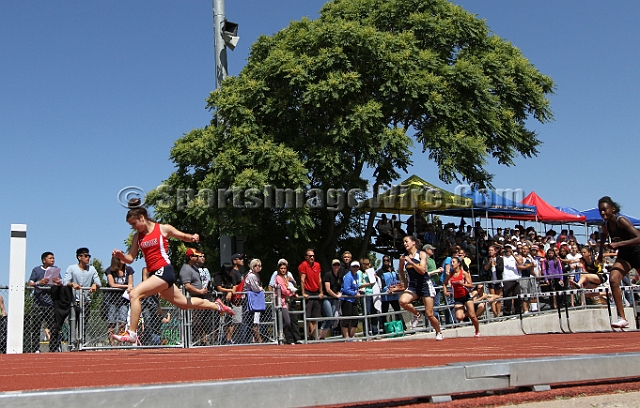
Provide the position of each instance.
(462, 285)
(152, 239)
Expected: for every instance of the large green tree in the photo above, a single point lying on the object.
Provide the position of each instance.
(322, 101)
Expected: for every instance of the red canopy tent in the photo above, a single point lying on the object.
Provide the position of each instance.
(545, 212)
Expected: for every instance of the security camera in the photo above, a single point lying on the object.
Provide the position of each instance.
(230, 41)
(230, 34)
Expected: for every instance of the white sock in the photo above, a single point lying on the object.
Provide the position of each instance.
(534, 307)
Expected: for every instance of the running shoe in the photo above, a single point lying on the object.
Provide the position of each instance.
(439, 336)
(128, 337)
(223, 308)
(477, 335)
(622, 323)
(415, 321)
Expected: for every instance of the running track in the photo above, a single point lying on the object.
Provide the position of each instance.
(47, 371)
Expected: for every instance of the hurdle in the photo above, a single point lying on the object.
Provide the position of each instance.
(563, 295)
(522, 296)
(585, 291)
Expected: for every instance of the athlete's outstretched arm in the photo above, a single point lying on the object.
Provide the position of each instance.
(170, 231)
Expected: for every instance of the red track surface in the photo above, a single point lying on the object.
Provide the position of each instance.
(42, 371)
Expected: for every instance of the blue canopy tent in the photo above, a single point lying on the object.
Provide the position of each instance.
(488, 203)
(594, 218)
(569, 210)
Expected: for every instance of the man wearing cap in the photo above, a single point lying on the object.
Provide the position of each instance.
(498, 234)
(434, 274)
(190, 274)
(237, 275)
(351, 290)
(310, 283)
(332, 282)
(192, 282)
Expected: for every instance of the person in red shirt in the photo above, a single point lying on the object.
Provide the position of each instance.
(310, 282)
(461, 282)
(152, 239)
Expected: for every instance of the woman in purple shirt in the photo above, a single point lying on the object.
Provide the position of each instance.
(553, 272)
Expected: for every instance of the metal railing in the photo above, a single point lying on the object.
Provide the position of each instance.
(90, 324)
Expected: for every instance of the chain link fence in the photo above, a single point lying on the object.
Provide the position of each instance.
(161, 323)
(89, 325)
(210, 328)
(371, 321)
(4, 295)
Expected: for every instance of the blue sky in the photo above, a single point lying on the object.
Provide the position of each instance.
(93, 95)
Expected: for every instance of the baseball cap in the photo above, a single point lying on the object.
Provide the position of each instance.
(335, 262)
(355, 263)
(237, 256)
(428, 246)
(509, 246)
(192, 252)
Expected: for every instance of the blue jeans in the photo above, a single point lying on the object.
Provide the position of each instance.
(329, 308)
(373, 321)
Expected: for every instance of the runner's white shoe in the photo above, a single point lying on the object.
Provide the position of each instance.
(622, 323)
(439, 336)
(415, 321)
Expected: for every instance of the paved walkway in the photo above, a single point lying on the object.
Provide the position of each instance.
(620, 400)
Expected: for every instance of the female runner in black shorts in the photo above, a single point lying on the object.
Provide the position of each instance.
(624, 238)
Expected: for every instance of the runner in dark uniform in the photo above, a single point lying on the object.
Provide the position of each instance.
(626, 240)
(419, 285)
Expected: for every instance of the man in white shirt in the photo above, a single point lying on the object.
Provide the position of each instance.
(511, 279)
(79, 276)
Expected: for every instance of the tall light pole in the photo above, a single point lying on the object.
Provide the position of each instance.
(225, 34)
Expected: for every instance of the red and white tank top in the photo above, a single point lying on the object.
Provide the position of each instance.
(154, 247)
(457, 282)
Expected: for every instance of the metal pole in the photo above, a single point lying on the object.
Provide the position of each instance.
(220, 48)
(220, 51)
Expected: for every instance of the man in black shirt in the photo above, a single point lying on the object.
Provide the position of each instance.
(332, 282)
